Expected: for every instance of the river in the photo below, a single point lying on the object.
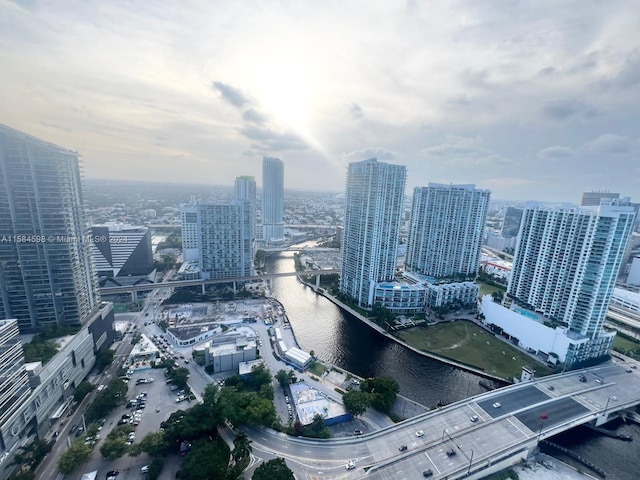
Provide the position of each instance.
(344, 341)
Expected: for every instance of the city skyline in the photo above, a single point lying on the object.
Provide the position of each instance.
(507, 97)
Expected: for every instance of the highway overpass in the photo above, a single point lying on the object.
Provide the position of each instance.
(145, 287)
(510, 423)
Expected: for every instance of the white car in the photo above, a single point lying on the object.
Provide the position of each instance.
(351, 465)
(420, 433)
(145, 469)
(497, 405)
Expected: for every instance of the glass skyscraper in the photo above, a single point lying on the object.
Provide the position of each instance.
(373, 210)
(46, 273)
(272, 200)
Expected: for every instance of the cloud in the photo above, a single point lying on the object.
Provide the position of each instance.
(371, 152)
(505, 183)
(231, 94)
(609, 143)
(270, 140)
(555, 151)
(465, 151)
(254, 116)
(561, 110)
(55, 125)
(356, 110)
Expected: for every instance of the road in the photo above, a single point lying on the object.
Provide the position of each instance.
(526, 413)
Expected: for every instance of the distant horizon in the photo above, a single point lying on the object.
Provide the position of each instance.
(408, 193)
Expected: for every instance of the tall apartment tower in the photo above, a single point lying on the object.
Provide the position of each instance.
(46, 273)
(373, 211)
(566, 263)
(245, 189)
(272, 200)
(14, 382)
(445, 231)
(224, 239)
(592, 199)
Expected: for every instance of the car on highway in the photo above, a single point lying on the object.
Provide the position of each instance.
(473, 418)
(357, 432)
(451, 453)
(427, 473)
(497, 405)
(351, 465)
(402, 448)
(420, 433)
(73, 428)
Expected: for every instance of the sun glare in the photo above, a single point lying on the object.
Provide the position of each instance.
(285, 95)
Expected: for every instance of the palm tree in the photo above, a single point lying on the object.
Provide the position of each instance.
(241, 447)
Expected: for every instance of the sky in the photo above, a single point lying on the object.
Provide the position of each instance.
(530, 99)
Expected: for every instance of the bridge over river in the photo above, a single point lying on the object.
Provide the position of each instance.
(471, 438)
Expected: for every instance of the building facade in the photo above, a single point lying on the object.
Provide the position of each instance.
(189, 224)
(245, 189)
(123, 250)
(47, 277)
(223, 239)
(592, 199)
(272, 200)
(373, 211)
(50, 386)
(566, 264)
(446, 230)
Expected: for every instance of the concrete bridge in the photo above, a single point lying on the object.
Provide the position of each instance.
(471, 438)
(145, 287)
(495, 430)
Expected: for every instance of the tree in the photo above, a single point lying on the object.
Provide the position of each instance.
(82, 391)
(107, 400)
(180, 376)
(383, 392)
(312, 353)
(31, 455)
(114, 448)
(356, 402)
(104, 358)
(155, 469)
(241, 447)
(77, 454)
(206, 460)
(275, 469)
(153, 443)
(317, 428)
(283, 377)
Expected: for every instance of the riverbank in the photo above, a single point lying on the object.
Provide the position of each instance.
(382, 331)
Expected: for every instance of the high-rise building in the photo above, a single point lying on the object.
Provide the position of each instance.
(46, 273)
(373, 211)
(14, 382)
(245, 189)
(566, 263)
(446, 230)
(123, 250)
(224, 239)
(511, 223)
(189, 222)
(272, 200)
(592, 199)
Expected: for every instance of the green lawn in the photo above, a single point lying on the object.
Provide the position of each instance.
(486, 289)
(626, 345)
(467, 343)
(317, 369)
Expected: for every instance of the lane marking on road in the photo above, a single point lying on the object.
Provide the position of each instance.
(517, 428)
(432, 462)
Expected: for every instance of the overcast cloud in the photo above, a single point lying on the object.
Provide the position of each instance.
(535, 100)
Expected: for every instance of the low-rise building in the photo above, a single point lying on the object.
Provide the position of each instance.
(227, 351)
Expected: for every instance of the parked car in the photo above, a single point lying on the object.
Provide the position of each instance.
(357, 431)
(427, 473)
(402, 448)
(451, 453)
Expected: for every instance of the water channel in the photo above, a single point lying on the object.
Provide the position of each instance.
(344, 341)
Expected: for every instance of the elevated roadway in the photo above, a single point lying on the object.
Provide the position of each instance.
(483, 434)
(145, 287)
